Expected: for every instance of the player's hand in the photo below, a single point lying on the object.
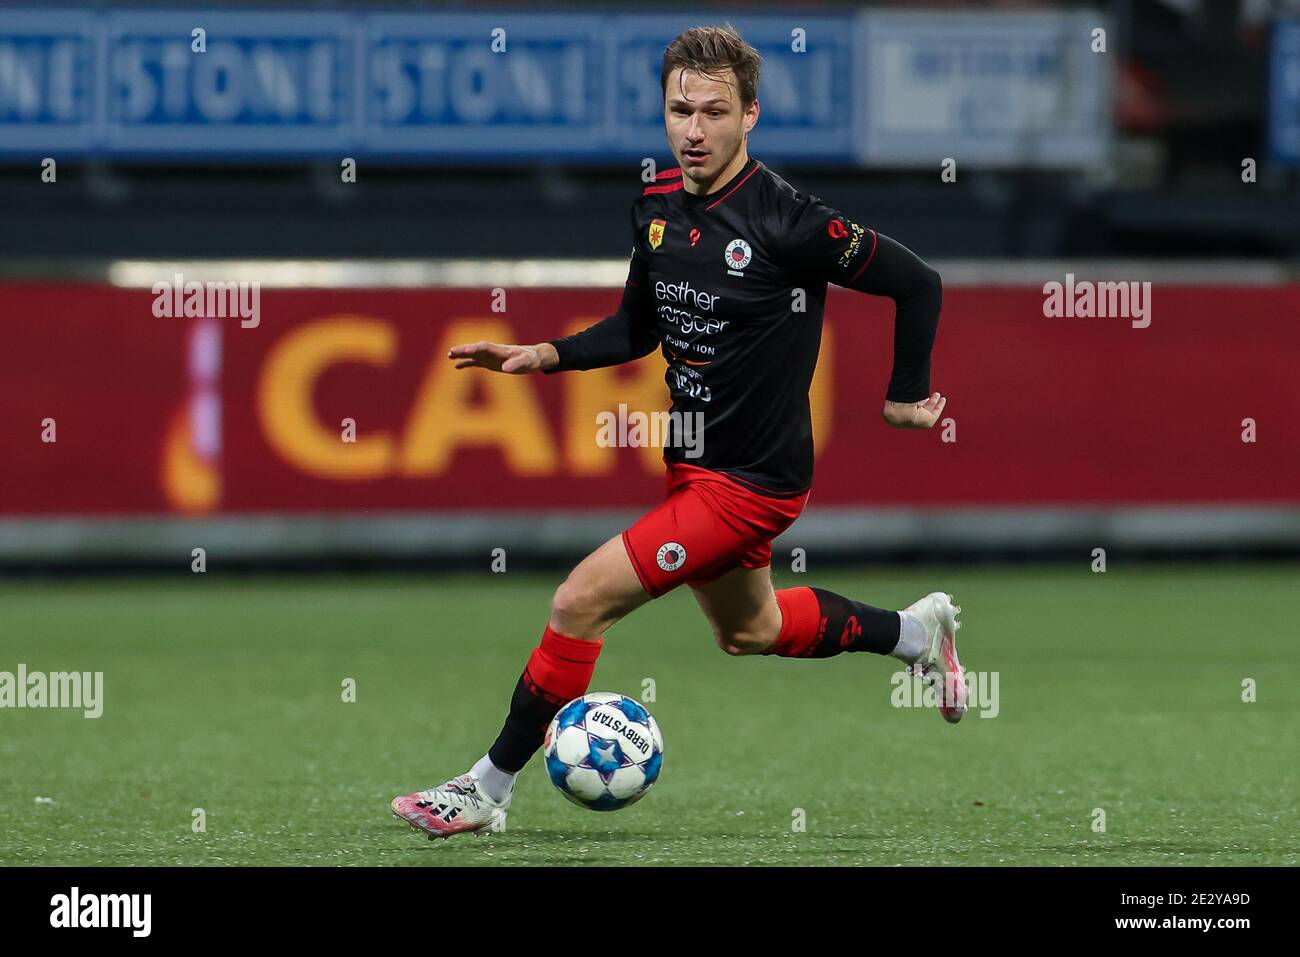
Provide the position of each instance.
(914, 415)
(516, 360)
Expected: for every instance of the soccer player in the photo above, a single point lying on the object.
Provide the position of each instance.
(721, 246)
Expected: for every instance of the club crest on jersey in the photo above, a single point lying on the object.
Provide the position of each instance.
(738, 255)
(657, 227)
(671, 556)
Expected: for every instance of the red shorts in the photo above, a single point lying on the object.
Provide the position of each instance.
(708, 525)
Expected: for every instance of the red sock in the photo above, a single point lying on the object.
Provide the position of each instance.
(559, 670)
(816, 623)
(561, 667)
(801, 622)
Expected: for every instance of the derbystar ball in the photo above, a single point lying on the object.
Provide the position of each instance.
(603, 751)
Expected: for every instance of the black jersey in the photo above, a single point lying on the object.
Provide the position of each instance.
(731, 286)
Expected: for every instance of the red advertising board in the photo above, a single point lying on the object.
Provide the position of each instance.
(109, 409)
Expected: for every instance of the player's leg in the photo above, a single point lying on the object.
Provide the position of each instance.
(663, 549)
(742, 609)
(602, 589)
(749, 617)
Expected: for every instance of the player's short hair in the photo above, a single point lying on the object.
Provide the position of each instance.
(709, 51)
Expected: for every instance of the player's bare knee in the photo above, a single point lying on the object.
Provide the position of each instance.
(578, 610)
(569, 604)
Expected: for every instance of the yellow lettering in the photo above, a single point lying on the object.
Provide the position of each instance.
(286, 391)
(445, 417)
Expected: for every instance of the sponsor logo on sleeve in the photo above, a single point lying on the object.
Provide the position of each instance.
(851, 249)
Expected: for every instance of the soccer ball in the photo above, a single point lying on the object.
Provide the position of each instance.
(603, 751)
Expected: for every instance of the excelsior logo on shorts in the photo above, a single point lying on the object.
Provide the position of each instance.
(671, 556)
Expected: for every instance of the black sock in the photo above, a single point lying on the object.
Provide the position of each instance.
(558, 671)
(531, 711)
(849, 625)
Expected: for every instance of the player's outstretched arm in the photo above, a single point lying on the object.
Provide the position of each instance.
(822, 242)
(511, 359)
(627, 335)
(895, 271)
(616, 339)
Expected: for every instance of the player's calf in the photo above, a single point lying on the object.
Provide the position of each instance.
(816, 623)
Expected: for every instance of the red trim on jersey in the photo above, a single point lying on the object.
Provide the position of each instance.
(670, 173)
(874, 240)
(629, 282)
(662, 188)
(736, 187)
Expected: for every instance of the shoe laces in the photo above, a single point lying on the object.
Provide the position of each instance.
(452, 787)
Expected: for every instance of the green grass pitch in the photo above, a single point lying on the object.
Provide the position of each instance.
(1120, 691)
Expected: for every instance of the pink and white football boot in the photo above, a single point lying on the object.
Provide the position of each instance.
(458, 807)
(938, 664)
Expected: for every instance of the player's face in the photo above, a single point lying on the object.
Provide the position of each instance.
(706, 125)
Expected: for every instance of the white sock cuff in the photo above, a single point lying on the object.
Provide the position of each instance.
(495, 782)
(911, 638)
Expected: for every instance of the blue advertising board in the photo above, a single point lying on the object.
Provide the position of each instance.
(1284, 93)
(512, 87)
